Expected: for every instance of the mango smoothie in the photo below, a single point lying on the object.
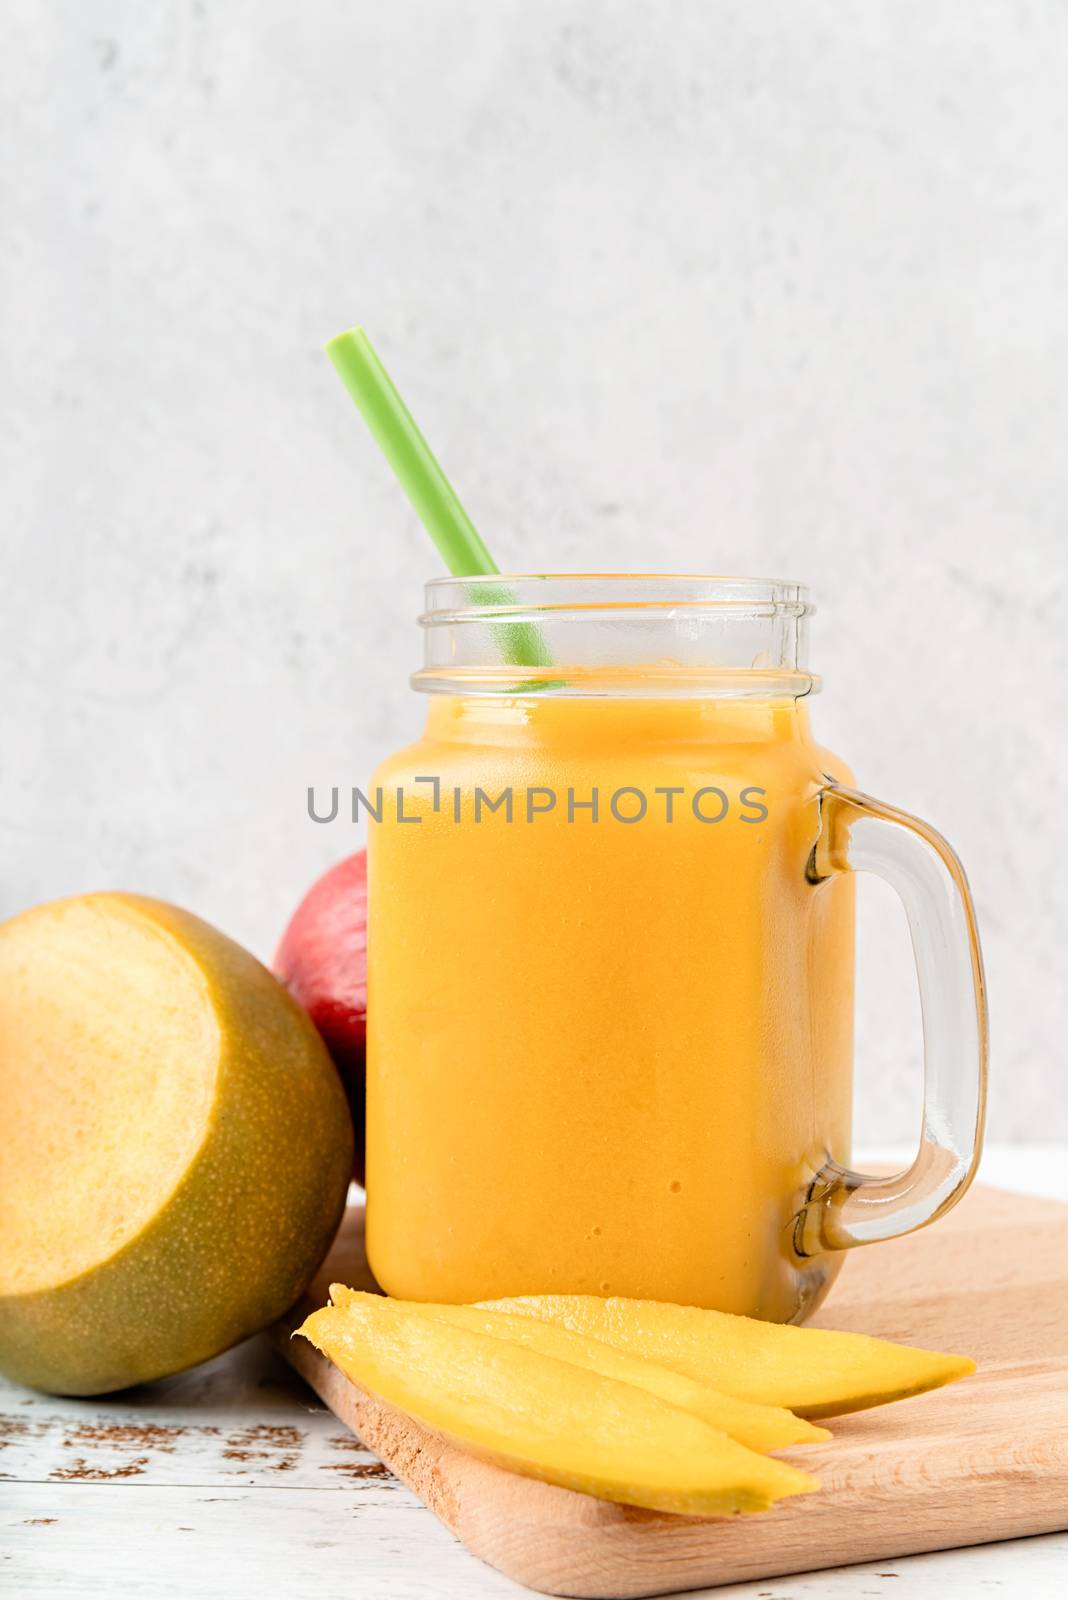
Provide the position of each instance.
(609, 1039)
(610, 939)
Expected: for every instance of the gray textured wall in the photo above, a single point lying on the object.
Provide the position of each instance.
(757, 287)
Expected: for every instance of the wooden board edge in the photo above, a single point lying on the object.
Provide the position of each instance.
(558, 1542)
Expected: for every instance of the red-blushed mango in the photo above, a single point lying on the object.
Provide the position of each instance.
(322, 960)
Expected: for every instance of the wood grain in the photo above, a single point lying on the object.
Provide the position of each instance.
(985, 1459)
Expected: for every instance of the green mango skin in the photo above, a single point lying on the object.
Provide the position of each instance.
(240, 1238)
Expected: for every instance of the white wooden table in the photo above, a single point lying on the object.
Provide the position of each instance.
(232, 1481)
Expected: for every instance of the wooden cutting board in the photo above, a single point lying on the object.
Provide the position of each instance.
(984, 1459)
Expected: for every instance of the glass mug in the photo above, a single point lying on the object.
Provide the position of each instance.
(611, 959)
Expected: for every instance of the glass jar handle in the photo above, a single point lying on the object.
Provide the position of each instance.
(843, 1208)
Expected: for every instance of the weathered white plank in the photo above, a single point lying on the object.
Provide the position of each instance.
(242, 1420)
(277, 1544)
(85, 1541)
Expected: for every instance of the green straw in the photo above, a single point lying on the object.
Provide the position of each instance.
(419, 474)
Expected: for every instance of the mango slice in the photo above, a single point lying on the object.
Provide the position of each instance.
(545, 1418)
(175, 1146)
(759, 1427)
(809, 1370)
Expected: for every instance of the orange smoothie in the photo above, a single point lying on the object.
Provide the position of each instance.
(607, 1052)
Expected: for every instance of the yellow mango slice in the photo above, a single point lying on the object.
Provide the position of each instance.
(545, 1418)
(759, 1427)
(809, 1370)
